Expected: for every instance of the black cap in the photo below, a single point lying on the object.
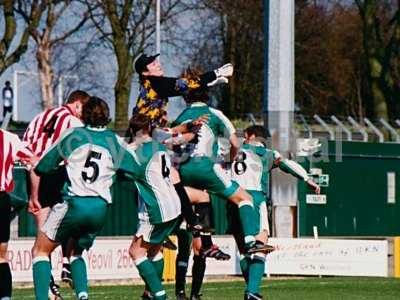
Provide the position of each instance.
(142, 62)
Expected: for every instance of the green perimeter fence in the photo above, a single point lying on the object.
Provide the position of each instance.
(362, 198)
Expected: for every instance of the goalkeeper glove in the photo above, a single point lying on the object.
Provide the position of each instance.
(224, 71)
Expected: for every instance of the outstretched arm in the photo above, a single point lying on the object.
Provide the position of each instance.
(170, 86)
(295, 169)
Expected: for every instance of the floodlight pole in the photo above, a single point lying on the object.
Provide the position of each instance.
(278, 104)
(158, 33)
(15, 102)
(15, 86)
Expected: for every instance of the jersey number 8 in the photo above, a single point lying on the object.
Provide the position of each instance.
(239, 166)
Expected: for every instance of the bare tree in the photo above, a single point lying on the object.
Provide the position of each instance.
(127, 26)
(58, 25)
(232, 31)
(11, 54)
(381, 41)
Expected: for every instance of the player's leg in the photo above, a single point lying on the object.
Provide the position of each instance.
(41, 218)
(138, 252)
(235, 228)
(182, 260)
(46, 191)
(41, 265)
(66, 275)
(57, 181)
(157, 260)
(86, 217)
(186, 206)
(256, 261)
(198, 268)
(148, 240)
(215, 180)
(82, 219)
(78, 271)
(5, 271)
(156, 257)
(249, 215)
(203, 209)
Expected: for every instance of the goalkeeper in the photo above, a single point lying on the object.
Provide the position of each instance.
(155, 88)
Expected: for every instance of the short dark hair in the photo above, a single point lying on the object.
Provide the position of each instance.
(78, 95)
(139, 122)
(95, 112)
(257, 130)
(199, 94)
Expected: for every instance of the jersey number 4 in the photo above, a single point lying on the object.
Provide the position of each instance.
(49, 128)
(164, 168)
(91, 162)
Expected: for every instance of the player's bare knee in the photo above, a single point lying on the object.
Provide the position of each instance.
(136, 251)
(241, 196)
(35, 251)
(196, 245)
(3, 252)
(197, 196)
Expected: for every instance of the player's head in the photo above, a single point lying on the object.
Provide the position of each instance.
(139, 125)
(96, 113)
(8, 83)
(255, 132)
(148, 66)
(192, 75)
(76, 100)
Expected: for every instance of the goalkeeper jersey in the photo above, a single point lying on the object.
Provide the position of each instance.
(92, 157)
(157, 195)
(155, 90)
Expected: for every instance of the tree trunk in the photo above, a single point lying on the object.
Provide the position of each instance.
(123, 85)
(46, 74)
(374, 50)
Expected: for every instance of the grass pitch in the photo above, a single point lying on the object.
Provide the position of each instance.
(328, 288)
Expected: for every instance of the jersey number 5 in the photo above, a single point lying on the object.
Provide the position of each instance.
(91, 163)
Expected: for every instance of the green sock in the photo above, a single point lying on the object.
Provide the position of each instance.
(244, 266)
(247, 216)
(150, 277)
(158, 264)
(256, 272)
(79, 276)
(41, 277)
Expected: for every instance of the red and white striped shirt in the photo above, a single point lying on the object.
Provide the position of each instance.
(11, 149)
(45, 129)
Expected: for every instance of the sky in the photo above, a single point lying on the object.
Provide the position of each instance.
(27, 91)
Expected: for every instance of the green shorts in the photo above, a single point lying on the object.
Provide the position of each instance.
(203, 173)
(80, 218)
(260, 207)
(156, 233)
